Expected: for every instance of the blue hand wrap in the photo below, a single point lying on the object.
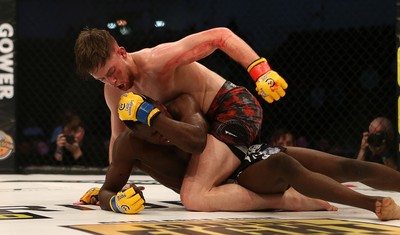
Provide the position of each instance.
(144, 111)
(113, 205)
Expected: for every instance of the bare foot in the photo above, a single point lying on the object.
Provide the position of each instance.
(294, 201)
(387, 209)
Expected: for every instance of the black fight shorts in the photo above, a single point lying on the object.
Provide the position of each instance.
(254, 154)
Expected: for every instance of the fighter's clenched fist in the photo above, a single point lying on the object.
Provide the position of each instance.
(129, 201)
(134, 107)
(269, 84)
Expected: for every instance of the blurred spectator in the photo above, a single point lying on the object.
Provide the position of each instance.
(74, 146)
(378, 144)
(67, 114)
(282, 137)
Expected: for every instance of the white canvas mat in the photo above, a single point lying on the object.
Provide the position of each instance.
(42, 204)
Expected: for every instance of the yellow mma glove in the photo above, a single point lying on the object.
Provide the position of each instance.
(91, 193)
(134, 107)
(269, 84)
(128, 201)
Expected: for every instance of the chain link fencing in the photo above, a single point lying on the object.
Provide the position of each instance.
(338, 57)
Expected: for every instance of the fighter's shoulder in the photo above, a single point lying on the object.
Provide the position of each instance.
(146, 53)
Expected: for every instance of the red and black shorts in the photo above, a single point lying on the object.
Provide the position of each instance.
(235, 115)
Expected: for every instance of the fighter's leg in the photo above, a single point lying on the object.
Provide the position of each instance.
(201, 189)
(235, 117)
(205, 171)
(345, 169)
(280, 170)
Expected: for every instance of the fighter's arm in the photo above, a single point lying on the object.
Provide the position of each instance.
(199, 45)
(119, 170)
(112, 96)
(187, 128)
(363, 147)
(270, 85)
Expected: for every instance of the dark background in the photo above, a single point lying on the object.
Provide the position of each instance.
(338, 57)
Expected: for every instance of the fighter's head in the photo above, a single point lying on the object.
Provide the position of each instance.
(93, 48)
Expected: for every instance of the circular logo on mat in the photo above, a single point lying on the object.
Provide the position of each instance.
(6, 145)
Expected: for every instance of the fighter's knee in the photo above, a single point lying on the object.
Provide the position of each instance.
(185, 198)
(188, 198)
(192, 201)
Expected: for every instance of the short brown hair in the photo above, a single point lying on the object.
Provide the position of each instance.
(92, 49)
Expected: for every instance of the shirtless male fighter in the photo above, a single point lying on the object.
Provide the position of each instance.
(170, 69)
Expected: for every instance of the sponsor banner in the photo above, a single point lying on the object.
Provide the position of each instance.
(7, 85)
